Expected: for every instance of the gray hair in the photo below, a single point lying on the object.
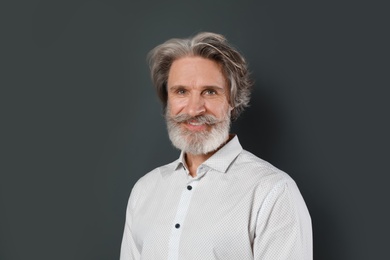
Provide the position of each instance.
(210, 46)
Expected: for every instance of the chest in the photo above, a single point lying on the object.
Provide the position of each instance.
(215, 216)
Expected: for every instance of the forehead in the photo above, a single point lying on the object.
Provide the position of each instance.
(195, 71)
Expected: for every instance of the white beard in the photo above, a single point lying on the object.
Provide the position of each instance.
(197, 142)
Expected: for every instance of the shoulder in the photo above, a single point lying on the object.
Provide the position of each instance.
(259, 175)
(147, 183)
(272, 185)
(249, 165)
(154, 176)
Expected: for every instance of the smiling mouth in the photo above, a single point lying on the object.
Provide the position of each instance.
(195, 123)
(195, 126)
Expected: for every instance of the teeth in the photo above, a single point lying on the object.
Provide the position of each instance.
(195, 123)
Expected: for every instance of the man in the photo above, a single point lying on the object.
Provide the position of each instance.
(217, 201)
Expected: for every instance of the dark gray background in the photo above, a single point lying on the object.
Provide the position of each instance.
(80, 121)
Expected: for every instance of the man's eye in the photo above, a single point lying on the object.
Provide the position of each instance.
(181, 91)
(210, 92)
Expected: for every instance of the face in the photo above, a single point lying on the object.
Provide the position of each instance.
(198, 110)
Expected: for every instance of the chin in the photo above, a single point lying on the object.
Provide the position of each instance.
(200, 142)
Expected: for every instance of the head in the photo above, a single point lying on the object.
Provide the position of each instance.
(209, 46)
(203, 83)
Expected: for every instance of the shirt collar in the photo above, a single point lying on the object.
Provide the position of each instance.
(222, 159)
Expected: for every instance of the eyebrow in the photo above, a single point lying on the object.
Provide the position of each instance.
(202, 88)
(175, 87)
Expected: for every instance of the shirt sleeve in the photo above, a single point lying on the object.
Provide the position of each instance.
(283, 228)
(129, 249)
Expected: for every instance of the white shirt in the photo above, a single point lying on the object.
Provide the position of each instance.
(237, 207)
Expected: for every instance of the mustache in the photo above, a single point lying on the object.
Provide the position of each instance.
(202, 119)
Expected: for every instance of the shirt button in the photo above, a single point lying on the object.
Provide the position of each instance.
(189, 187)
(177, 225)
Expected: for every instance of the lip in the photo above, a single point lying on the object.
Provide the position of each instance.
(194, 126)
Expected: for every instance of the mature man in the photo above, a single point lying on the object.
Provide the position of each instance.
(217, 201)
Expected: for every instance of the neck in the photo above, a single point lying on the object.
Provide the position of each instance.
(194, 160)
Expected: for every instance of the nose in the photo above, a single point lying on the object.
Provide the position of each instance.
(195, 105)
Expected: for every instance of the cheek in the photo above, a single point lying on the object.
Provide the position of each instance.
(219, 109)
(175, 106)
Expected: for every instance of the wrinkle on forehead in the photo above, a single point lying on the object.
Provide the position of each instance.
(196, 72)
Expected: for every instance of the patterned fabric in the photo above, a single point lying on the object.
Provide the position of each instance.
(237, 207)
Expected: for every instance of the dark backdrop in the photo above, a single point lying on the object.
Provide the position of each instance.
(80, 121)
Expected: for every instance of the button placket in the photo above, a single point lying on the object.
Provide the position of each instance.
(181, 213)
